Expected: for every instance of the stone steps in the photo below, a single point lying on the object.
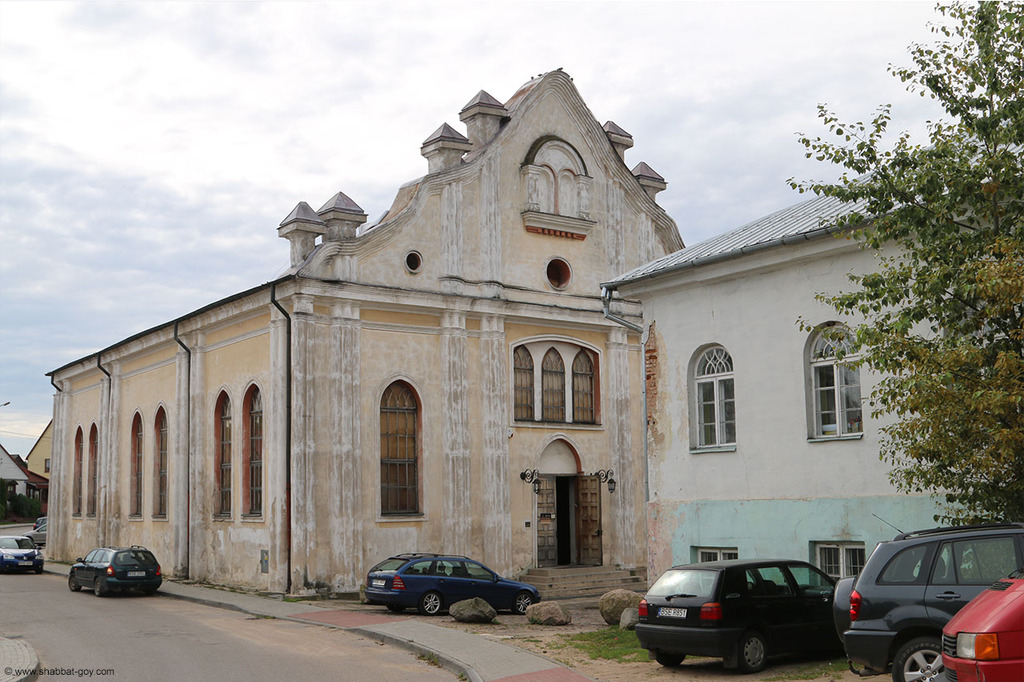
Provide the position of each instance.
(584, 581)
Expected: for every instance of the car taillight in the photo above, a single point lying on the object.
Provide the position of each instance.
(398, 583)
(711, 611)
(110, 570)
(158, 569)
(854, 605)
(643, 608)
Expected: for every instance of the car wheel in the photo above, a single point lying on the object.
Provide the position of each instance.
(73, 583)
(919, 660)
(430, 604)
(395, 608)
(752, 652)
(522, 602)
(100, 588)
(668, 660)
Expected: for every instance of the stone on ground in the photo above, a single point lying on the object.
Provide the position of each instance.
(612, 604)
(630, 617)
(548, 613)
(474, 610)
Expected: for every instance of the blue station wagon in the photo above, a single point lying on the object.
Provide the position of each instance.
(433, 582)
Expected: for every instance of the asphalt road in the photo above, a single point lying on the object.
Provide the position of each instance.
(134, 637)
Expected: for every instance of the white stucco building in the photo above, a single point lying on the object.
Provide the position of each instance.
(761, 444)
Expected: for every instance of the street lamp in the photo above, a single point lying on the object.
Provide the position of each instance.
(531, 476)
(605, 476)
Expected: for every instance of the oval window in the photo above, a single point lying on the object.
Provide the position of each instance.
(413, 262)
(559, 273)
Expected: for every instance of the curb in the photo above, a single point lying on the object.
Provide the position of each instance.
(17, 655)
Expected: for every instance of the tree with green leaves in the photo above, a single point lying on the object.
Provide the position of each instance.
(943, 316)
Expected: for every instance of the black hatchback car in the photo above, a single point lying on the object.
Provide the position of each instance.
(106, 569)
(741, 611)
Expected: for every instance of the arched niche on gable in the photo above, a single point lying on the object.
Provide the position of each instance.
(556, 190)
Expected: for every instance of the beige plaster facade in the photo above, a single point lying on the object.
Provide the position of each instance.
(499, 249)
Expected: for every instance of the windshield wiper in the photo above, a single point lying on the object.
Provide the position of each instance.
(681, 594)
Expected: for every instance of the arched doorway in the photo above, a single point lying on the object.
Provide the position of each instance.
(568, 510)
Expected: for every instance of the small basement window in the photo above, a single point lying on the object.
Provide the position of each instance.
(413, 262)
(559, 273)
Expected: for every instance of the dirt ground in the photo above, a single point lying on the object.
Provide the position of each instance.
(548, 641)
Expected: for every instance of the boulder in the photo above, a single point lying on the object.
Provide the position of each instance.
(474, 610)
(630, 617)
(548, 613)
(612, 604)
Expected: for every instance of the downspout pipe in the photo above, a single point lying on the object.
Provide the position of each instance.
(102, 537)
(188, 449)
(606, 302)
(287, 433)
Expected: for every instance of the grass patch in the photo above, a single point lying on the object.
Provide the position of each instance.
(612, 643)
(812, 671)
(430, 659)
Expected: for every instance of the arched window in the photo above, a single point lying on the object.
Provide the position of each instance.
(399, 474)
(253, 466)
(222, 434)
(94, 448)
(715, 398)
(160, 465)
(135, 485)
(836, 384)
(583, 411)
(553, 387)
(76, 495)
(523, 365)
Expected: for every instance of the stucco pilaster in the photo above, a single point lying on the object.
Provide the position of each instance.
(275, 454)
(490, 260)
(626, 499)
(616, 229)
(303, 518)
(457, 501)
(495, 477)
(59, 466)
(200, 476)
(179, 461)
(451, 238)
(346, 468)
(106, 452)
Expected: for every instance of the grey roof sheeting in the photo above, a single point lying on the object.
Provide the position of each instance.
(800, 222)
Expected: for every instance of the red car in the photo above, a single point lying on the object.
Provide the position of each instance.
(984, 642)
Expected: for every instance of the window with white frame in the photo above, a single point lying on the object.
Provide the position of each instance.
(715, 398)
(717, 553)
(836, 384)
(555, 381)
(840, 559)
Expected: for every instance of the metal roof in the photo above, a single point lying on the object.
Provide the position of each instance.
(806, 220)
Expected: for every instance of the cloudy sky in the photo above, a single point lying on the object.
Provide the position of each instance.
(148, 151)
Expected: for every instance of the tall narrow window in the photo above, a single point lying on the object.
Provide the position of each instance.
(160, 465)
(583, 389)
(223, 435)
(552, 387)
(94, 448)
(399, 475)
(523, 366)
(253, 467)
(715, 399)
(837, 399)
(76, 494)
(135, 485)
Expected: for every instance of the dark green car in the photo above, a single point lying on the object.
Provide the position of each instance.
(107, 569)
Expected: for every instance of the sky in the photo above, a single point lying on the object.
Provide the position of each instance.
(149, 150)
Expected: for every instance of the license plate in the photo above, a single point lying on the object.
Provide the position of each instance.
(378, 583)
(136, 574)
(671, 612)
(24, 563)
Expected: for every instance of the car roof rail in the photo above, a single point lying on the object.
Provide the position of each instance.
(984, 527)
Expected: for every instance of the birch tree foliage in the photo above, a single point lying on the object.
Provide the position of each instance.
(943, 315)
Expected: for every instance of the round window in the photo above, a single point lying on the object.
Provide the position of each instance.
(559, 273)
(413, 261)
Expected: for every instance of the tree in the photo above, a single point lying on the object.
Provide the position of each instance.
(943, 316)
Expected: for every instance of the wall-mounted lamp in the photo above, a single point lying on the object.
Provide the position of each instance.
(531, 476)
(605, 476)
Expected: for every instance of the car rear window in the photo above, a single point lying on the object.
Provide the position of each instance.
(906, 566)
(134, 557)
(389, 565)
(685, 581)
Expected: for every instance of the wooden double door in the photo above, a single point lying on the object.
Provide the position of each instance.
(569, 521)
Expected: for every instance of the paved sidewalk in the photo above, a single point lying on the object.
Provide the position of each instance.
(477, 658)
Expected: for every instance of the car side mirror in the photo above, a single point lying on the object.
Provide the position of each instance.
(80, 560)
